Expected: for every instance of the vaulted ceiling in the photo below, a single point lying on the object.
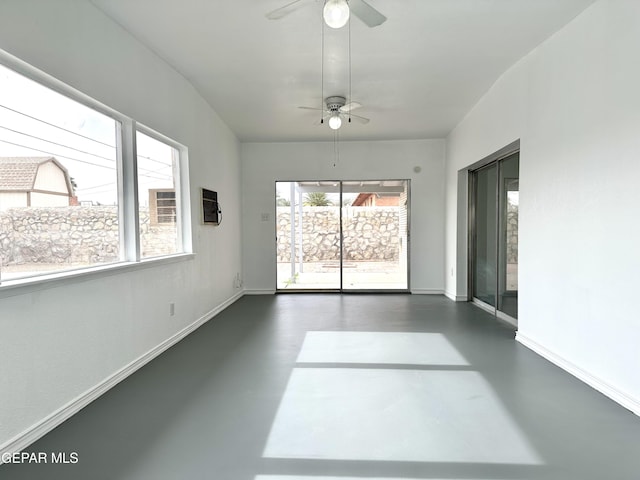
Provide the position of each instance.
(416, 75)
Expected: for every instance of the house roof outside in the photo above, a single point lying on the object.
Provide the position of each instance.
(380, 199)
(18, 174)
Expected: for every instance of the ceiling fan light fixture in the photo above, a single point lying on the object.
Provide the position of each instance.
(335, 122)
(336, 13)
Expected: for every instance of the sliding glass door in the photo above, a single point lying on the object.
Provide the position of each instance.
(375, 234)
(509, 199)
(342, 235)
(485, 245)
(308, 235)
(494, 236)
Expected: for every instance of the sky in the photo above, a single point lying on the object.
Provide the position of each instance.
(36, 121)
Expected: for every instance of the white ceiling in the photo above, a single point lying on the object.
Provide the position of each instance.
(416, 75)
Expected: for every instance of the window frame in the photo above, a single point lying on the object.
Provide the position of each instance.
(126, 166)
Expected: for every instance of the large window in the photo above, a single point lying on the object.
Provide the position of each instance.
(66, 170)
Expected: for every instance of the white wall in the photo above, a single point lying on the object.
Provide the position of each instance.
(51, 179)
(575, 104)
(11, 200)
(265, 163)
(59, 342)
(48, 200)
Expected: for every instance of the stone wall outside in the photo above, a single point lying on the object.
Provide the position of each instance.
(73, 235)
(512, 234)
(370, 234)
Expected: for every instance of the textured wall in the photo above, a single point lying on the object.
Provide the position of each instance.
(370, 234)
(73, 236)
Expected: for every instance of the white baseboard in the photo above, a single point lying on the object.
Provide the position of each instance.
(427, 291)
(260, 291)
(38, 430)
(598, 384)
(454, 297)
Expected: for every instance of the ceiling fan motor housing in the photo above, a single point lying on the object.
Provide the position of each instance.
(334, 104)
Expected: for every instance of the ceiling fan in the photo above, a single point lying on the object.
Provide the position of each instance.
(336, 109)
(361, 9)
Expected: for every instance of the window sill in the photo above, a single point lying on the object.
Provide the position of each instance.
(10, 288)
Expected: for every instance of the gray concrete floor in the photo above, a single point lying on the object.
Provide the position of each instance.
(346, 387)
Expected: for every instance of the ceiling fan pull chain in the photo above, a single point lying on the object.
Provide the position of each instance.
(322, 70)
(336, 153)
(350, 97)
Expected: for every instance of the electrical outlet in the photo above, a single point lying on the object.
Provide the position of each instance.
(172, 309)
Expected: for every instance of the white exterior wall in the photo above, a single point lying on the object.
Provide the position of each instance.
(574, 103)
(63, 340)
(12, 200)
(51, 179)
(265, 163)
(48, 200)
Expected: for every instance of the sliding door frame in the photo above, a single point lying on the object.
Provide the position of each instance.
(494, 158)
(407, 247)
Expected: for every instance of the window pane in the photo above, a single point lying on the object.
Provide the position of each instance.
(58, 181)
(157, 196)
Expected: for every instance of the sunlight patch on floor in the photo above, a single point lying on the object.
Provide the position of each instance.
(379, 347)
(310, 477)
(394, 415)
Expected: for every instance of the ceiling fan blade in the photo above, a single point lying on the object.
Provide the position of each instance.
(281, 12)
(312, 108)
(358, 118)
(365, 12)
(350, 107)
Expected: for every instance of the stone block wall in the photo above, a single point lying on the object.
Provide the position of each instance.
(370, 234)
(73, 235)
(512, 234)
